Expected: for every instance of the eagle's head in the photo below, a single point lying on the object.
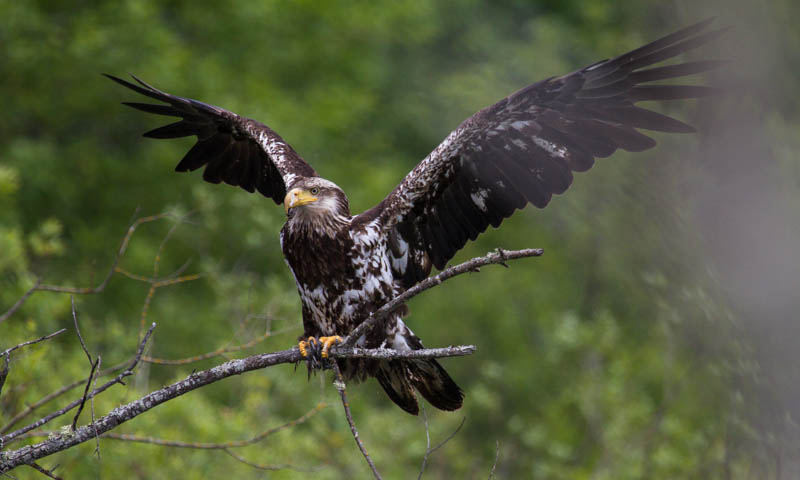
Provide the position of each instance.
(316, 202)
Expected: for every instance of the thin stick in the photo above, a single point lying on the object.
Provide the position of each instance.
(216, 353)
(31, 342)
(497, 257)
(216, 446)
(271, 468)
(50, 396)
(4, 372)
(38, 286)
(340, 387)
(21, 300)
(118, 379)
(94, 386)
(92, 364)
(120, 252)
(44, 471)
(429, 451)
(496, 458)
(78, 330)
(427, 443)
(85, 394)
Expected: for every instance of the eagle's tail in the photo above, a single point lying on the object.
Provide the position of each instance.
(399, 378)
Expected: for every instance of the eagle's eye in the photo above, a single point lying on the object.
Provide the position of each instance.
(315, 191)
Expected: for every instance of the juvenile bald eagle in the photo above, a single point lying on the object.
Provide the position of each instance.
(521, 150)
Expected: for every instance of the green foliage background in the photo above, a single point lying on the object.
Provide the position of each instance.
(624, 352)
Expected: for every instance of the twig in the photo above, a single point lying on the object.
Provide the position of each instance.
(31, 342)
(216, 353)
(44, 471)
(340, 387)
(30, 408)
(261, 466)
(38, 286)
(450, 437)
(95, 366)
(118, 379)
(216, 446)
(94, 386)
(21, 300)
(85, 394)
(428, 450)
(497, 257)
(92, 364)
(4, 371)
(496, 458)
(389, 354)
(152, 291)
(120, 252)
(78, 331)
(122, 414)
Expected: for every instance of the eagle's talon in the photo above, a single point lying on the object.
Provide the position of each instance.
(328, 342)
(306, 345)
(315, 351)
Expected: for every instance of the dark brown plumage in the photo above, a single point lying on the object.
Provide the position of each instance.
(523, 149)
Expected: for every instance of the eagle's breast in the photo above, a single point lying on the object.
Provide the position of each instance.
(340, 278)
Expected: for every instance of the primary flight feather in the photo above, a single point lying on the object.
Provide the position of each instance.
(521, 150)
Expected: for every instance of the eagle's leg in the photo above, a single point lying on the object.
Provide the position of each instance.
(306, 345)
(311, 350)
(327, 342)
(315, 351)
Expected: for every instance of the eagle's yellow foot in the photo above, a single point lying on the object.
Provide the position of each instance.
(316, 351)
(305, 345)
(327, 343)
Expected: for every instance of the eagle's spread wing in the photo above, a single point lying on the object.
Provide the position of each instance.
(524, 149)
(235, 150)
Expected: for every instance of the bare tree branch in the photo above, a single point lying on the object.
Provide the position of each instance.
(4, 372)
(497, 257)
(31, 342)
(216, 446)
(120, 252)
(496, 458)
(44, 471)
(47, 398)
(21, 300)
(5, 439)
(94, 386)
(119, 415)
(92, 364)
(31, 453)
(38, 286)
(271, 468)
(216, 353)
(6, 354)
(85, 393)
(428, 450)
(78, 330)
(340, 387)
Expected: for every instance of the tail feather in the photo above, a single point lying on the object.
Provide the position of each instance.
(394, 379)
(433, 382)
(399, 378)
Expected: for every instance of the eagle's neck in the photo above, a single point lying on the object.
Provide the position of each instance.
(327, 217)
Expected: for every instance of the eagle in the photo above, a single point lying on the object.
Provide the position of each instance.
(521, 150)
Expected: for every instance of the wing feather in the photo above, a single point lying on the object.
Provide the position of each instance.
(235, 150)
(525, 148)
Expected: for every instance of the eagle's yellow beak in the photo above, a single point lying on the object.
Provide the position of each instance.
(297, 197)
